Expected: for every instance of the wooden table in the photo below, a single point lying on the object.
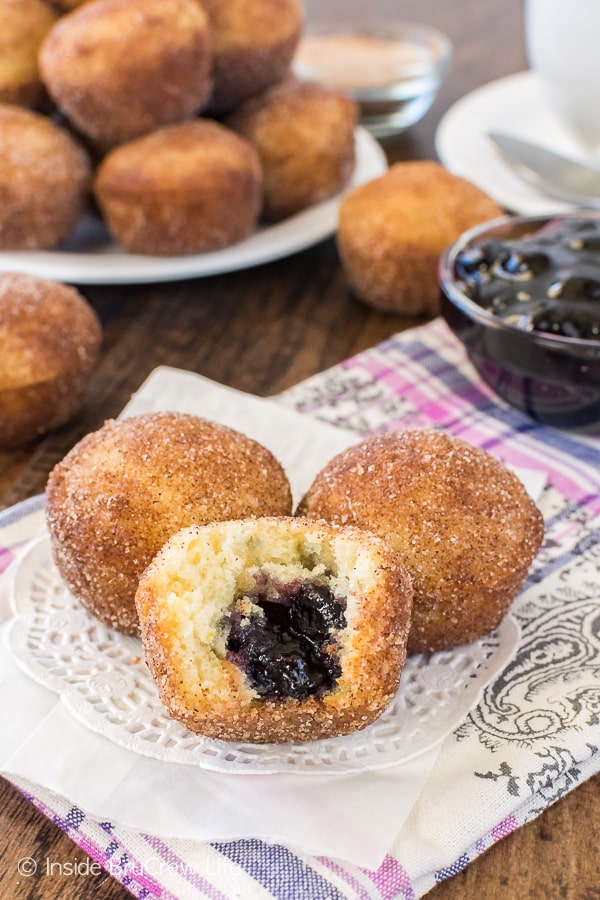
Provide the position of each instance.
(262, 331)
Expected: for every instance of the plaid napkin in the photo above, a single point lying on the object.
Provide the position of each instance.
(534, 735)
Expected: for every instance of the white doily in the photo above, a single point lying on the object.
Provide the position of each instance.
(103, 681)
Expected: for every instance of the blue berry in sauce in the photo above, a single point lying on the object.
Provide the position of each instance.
(288, 646)
(547, 281)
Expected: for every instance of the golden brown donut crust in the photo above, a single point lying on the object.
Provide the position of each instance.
(50, 338)
(185, 188)
(44, 180)
(463, 524)
(392, 230)
(23, 26)
(121, 68)
(252, 44)
(304, 135)
(123, 490)
(216, 700)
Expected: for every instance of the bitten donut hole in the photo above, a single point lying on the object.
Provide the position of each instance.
(274, 610)
(287, 645)
(275, 628)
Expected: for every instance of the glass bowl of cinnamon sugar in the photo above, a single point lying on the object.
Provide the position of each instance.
(392, 69)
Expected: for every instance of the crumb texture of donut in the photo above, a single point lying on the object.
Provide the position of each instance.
(392, 230)
(275, 629)
(463, 524)
(122, 491)
(50, 339)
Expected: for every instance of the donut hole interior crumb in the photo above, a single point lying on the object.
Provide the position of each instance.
(225, 589)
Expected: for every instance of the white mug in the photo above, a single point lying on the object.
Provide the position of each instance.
(562, 39)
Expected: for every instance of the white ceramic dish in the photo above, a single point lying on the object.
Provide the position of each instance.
(516, 105)
(90, 257)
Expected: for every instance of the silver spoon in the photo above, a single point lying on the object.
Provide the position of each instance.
(549, 172)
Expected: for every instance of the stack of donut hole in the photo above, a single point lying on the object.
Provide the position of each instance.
(182, 124)
(174, 117)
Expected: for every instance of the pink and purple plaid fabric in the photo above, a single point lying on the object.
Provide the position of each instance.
(512, 762)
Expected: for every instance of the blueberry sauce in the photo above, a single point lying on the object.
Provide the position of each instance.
(287, 646)
(547, 282)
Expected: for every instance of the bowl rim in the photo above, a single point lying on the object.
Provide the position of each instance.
(449, 283)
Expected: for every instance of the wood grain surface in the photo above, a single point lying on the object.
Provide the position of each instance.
(263, 330)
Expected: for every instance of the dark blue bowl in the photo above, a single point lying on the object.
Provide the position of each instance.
(552, 378)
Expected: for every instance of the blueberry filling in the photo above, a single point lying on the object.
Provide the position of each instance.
(546, 282)
(287, 646)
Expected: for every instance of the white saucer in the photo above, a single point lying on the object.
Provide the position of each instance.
(514, 104)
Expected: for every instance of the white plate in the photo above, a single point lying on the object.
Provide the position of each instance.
(103, 681)
(90, 257)
(514, 104)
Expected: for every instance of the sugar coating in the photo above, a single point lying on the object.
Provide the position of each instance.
(195, 579)
(211, 177)
(44, 179)
(123, 490)
(23, 26)
(50, 339)
(121, 68)
(393, 229)
(252, 46)
(463, 523)
(304, 135)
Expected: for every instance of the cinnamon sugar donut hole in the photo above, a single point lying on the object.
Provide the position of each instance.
(123, 490)
(463, 524)
(23, 26)
(122, 68)
(50, 338)
(275, 629)
(304, 135)
(392, 230)
(44, 180)
(185, 188)
(252, 42)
